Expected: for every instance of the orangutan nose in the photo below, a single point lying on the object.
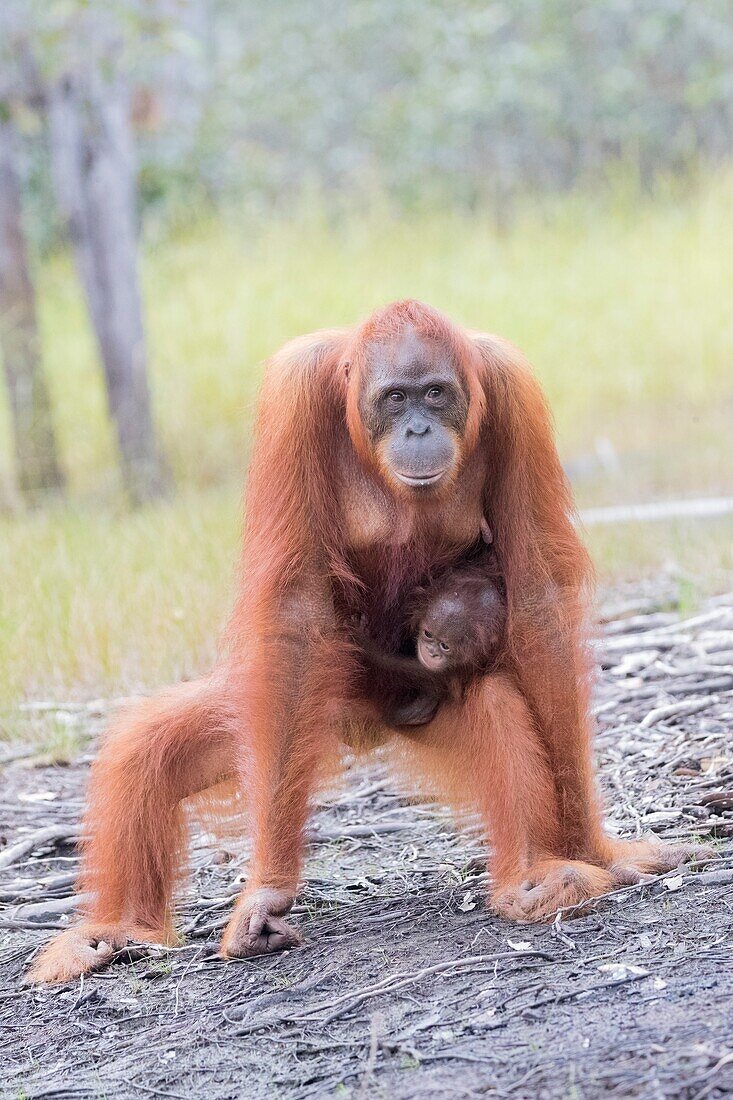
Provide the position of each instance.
(418, 426)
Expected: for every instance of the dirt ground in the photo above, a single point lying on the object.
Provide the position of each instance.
(407, 987)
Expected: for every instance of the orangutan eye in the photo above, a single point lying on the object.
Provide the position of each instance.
(435, 393)
(445, 647)
(396, 397)
(428, 634)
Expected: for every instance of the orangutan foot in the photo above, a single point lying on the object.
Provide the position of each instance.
(634, 861)
(257, 926)
(550, 885)
(79, 950)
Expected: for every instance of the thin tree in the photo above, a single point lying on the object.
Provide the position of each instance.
(37, 466)
(95, 177)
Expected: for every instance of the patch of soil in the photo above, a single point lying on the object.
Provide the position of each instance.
(407, 986)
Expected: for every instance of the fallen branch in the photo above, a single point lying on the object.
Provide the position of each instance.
(394, 982)
(49, 834)
(47, 910)
(629, 643)
(718, 800)
(714, 878)
(657, 510)
(19, 889)
(674, 710)
(357, 832)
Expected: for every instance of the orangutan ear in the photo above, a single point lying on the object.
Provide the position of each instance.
(347, 369)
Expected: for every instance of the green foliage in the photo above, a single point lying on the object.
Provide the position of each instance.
(466, 100)
(460, 102)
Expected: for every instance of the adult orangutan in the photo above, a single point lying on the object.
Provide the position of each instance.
(380, 452)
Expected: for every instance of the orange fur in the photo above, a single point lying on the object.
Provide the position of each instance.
(517, 747)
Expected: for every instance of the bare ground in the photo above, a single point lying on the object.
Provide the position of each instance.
(407, 986)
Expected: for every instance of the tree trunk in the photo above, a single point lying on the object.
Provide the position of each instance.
(37, 467)
(94, 170)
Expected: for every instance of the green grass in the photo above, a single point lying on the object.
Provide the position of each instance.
(623, 307)
(106, 603)
(695, 554)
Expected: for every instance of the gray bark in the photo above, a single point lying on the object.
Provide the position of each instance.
(37, 468)
(94, 171)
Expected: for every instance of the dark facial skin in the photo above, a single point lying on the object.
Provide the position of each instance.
(414, 407)
(441, 651)
(445, 640)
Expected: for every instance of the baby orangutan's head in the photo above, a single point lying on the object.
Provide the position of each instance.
(460, 628)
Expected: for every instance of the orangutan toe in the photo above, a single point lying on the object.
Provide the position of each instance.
(77, 951)
(257, 926)
(550, 885)
(639, 861)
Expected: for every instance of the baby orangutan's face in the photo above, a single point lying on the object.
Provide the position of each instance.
(437, 650)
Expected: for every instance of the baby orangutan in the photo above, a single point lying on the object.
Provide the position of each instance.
(457, 625)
